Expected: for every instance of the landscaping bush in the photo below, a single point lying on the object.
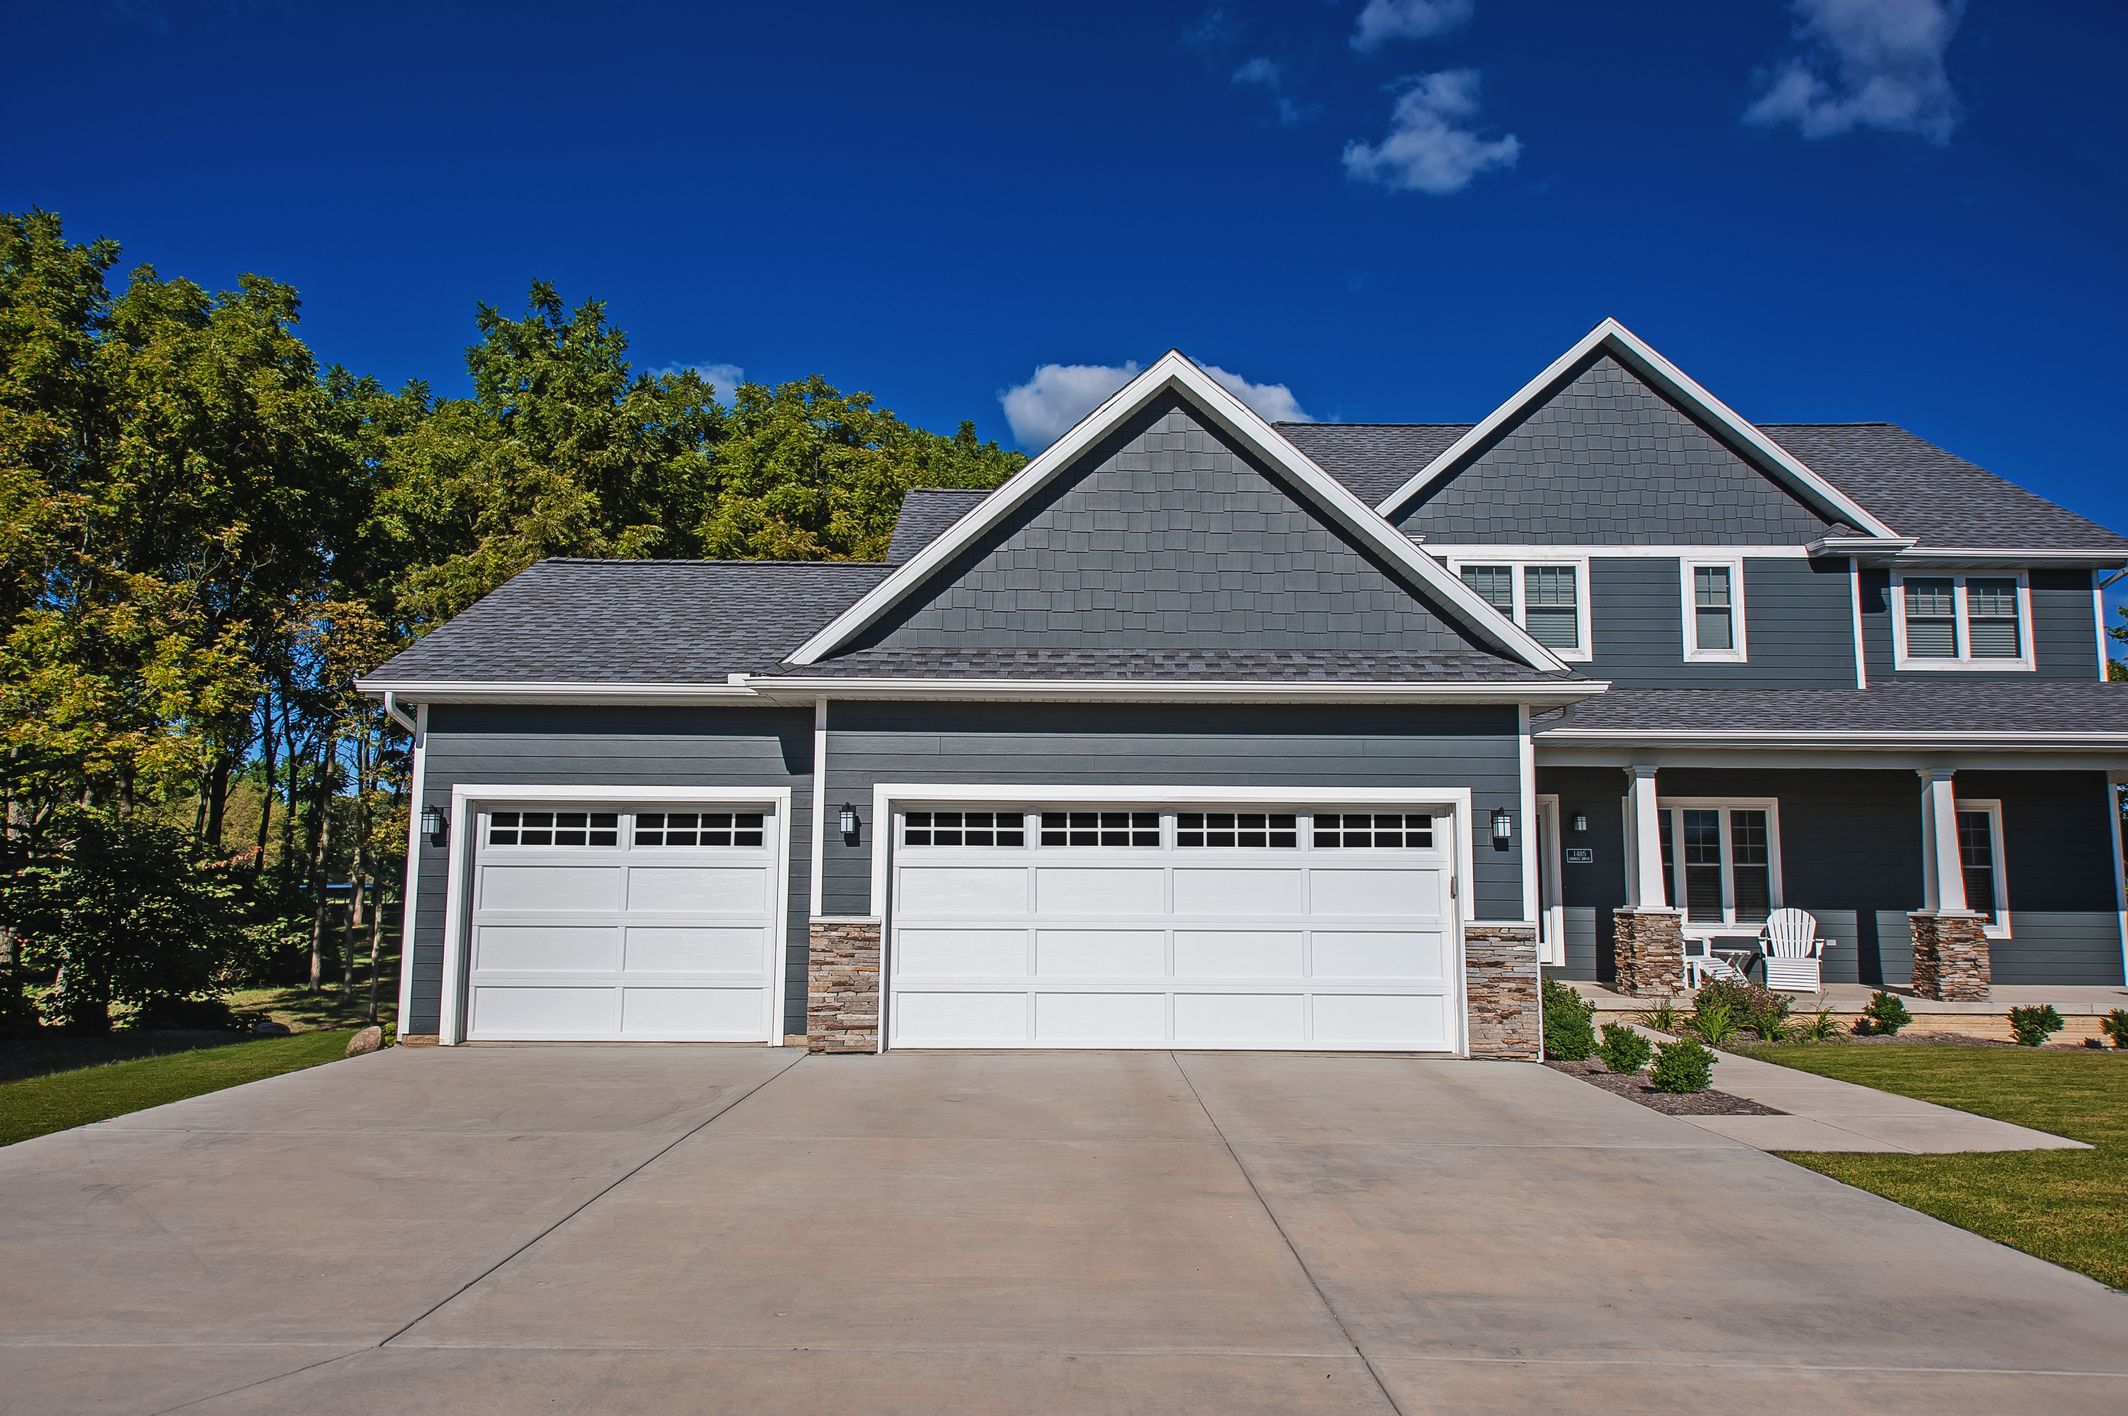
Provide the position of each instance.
(1750, 1006)
(192, 1015)
(129, 913)
(1713, 1020)
(1663, 1016)
(2115, 1026)
(1885, 1014)
(18, 1012)
(1569, 1029)
(1682, 1066)
(1819, 1028)
(1623, 1050)
(2032, 1024)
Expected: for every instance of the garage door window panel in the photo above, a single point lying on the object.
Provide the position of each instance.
(554, 828)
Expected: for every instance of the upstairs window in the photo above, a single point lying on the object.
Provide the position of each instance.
(1967, 622)
(1548, 599)
(1714, 611)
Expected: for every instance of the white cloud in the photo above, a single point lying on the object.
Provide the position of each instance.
(1045, 407)
(1386, 20)
(724, 378)
(1271, 76)
(1866, 64)
(1429, 147)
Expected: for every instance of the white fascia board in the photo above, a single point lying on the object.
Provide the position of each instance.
(1174, 691)
(480, 691)
(1952, 556)
(1643, 359)
(1175, 371)
(1917, 754)
(1899, 739)
(1869, 549)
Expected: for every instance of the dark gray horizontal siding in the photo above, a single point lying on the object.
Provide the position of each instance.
(1155, 746)
(1798, 626)
(2064, 629)
(1851, 855)
(618, 748)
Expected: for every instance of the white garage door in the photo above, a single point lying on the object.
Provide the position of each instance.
(620, 923)
(1172, 928)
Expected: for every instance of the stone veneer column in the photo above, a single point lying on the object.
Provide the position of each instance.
(1951, 960)
(842, 986)
(1648, 952)
(1500, 980)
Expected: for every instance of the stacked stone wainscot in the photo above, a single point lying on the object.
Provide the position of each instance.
(1648, 952)
(1951, 960)
(1500, 963)
(842, 986)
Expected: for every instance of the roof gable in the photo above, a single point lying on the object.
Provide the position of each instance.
(926, 513)
(1694, 406)
(1105, 537)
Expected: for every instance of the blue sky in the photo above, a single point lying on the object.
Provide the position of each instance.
(1832, 209)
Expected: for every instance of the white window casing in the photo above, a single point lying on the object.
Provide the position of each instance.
(1962, 621)
(1547, 596)
(1711, 592)
(1732, 920)
(1980, 830)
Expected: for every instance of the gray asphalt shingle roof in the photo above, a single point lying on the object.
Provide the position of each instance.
(1183, 665)
(926, 512)
(1906, 706)
(603, 621)
(1912, 485)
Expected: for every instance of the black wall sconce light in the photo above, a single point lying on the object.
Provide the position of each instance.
(1581, 823)
(846, 819)
(433, 829)
(1503, 826)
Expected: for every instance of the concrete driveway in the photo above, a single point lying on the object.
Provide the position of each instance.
(644, 1229)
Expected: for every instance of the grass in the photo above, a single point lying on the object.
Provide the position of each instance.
(304, 1011)
(37, 1106)
(2064, 1206)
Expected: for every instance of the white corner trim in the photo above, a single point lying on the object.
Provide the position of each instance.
(1532, 900)
(2098, 616)
(818, 777)
(410, 898)
(1854, 581)
(2120, 868)
(1688, 604)
(1964, 662)
(1174, 371)
(469, 798)
(1630, 349)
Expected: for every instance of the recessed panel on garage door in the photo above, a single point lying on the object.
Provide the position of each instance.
(1262, 1019)
(1100, 953)
(572, 888)
(963, 890)
(698, 889)
(939, 951)
(1381, 890)
(1250, 890)
(1117, 1018)
(1080, 890)
(1375, 953)
(1383, 1020)
(959, 1019)
(547, 948)
(544, 1010)
(1239, 953)
(704, 949)
(688, 1012)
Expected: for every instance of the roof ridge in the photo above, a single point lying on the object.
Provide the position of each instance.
(695, 560)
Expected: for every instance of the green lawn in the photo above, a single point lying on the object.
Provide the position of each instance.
(2064, 1206)
(38, 1105)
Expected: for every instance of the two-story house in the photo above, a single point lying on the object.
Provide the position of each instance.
(1201, 732)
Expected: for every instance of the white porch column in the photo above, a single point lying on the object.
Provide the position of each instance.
(1942, 871)
(1648, 890)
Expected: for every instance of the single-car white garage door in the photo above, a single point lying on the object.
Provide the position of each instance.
(618, 922)
(1134, 927)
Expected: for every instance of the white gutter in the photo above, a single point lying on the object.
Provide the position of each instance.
(1173, 691)
(478, 691)
(1905, 740)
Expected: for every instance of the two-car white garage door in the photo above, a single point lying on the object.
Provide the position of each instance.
(1130, 927)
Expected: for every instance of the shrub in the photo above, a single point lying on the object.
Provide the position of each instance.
(2115, 1026)
(2032, 1024)
(1664, 1016)
(1713, 1020)
(1750, 1006)
(191, 1015)
(1819, 1028)
(1569, 1030)
(128, 913)
(1624, 1050)
(1885, 1014)
(18, 1012)
(1682, 1066)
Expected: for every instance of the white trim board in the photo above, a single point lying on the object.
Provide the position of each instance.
(1569, 690)
(1630, 350)
(469, 798)
(412, 897)
(1174, 372)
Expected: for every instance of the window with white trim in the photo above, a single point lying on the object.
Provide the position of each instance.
(1714, 611)
(1265, 829)
(1980, 859)
(554, 828)
(964, 828)
(1547, 598)
(699, 828)
(1962, 621)
(1723, 861)
(1100, 828)
(1373, 830)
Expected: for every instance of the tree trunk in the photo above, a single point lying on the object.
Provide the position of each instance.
(288, 817)
(217, 803)
(321, 846)
(267, 742)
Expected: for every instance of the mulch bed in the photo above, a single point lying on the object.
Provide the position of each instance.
(1635, 1088)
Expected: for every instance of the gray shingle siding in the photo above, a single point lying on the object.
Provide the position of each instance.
(1851, 855)
(926, 514)
(1798, 626)
(619, 748)
(2064, 629)
(1151, 746)
(1607, 460)
(1167, 536)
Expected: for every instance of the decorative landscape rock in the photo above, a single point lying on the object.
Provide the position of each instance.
(367, 1040)
(267, 1027)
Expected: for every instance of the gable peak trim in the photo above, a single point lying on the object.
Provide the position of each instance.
(1641, 358)
(1175, 371)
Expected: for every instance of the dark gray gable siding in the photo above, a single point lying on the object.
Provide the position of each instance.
(1126, 746)
(2064, 630)
(1798, 626)
(619, 748)
(926, 513)
(1851, 855)
(1167, 536)
(1607, 460)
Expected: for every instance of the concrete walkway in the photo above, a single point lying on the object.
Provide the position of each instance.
(623, 1230)
(1827, 1114)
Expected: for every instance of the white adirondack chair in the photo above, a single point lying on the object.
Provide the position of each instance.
(1702, 963)
(1793, 952)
